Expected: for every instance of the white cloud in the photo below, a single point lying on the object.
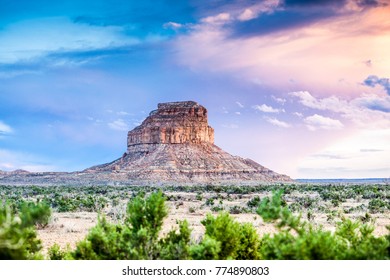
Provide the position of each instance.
(122, 113)
(4, 128)
(237, 113)
(119, 124)
(300, 115)
(266, 109)
(278, 123)
(254, 11)
(239, 104)
(367, 110)
(279, 100)
(217, 19)
(172, 25)
(320, 122)
(247, 14)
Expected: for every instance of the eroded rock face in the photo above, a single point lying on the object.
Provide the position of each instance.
(173, 123)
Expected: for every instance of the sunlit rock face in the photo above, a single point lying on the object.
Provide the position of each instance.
(173, 123)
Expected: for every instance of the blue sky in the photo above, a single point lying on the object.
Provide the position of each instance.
(301, 87)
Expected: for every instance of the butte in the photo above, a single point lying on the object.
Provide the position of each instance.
(175, 145)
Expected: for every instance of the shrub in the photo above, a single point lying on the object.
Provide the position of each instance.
(378, 205)
(352, 240)
(18, 238)
(226, 231)
(253, 202)
(249, 243)
(175, 246)
(207, 249)
(137, 238)
(37, 214)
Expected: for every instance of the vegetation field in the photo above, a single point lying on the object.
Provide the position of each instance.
(199, 222)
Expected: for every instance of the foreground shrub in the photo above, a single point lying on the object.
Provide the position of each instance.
(300, 240)
(235, 240)
(137, 238)
(18, 238)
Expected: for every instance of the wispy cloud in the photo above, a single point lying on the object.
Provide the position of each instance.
(279, 99)
(316, 122)
(366, 110)
(277, 122)
(119, 124)
(371, 150)
(31, 39)
(231, 125)
(267, 109)
(5, 128)
(239, 104)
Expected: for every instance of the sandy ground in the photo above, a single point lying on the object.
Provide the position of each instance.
(66, 229)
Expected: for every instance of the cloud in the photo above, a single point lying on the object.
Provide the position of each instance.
(313, 50)
(277, 122)
(300, 115)
(373, 81)
(11, 160)
(5, 129)
(239, 104)
(232, 126)
(279, 100)
(316, 122)
(266, 109)
(217, 19)
(367, 110)
(119, 124)
(371, 150)
(31, 39)
(247, 14)
(172, 25)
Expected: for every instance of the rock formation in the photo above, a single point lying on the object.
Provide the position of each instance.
(173, 146)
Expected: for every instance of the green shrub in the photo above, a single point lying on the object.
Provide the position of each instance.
(352, 240)
(249, 243)
(37, 214)
(253, 202)
(378, 205)
(137, 238)
(175, 246)
(207, 249)
(226, 231)
(18, 238)
(55, 253)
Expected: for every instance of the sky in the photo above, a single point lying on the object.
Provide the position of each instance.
(302, 87)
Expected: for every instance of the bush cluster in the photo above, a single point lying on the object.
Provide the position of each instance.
(18, 238)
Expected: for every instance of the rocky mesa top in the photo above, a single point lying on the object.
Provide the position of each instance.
(173, 123)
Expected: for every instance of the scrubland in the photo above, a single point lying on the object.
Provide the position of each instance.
(200, 222)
